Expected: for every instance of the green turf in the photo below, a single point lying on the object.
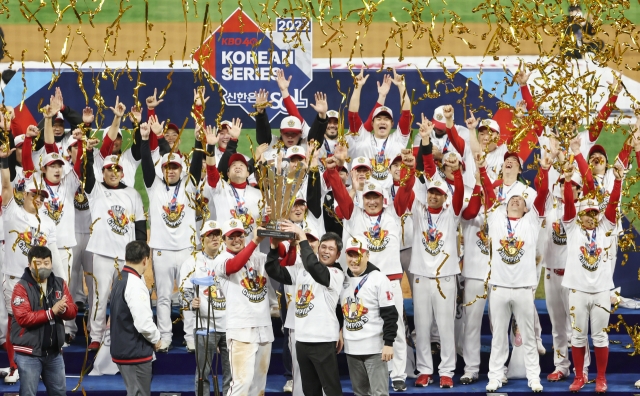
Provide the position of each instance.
(172, 10)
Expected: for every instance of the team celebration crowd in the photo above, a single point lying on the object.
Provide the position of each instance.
(368, 211)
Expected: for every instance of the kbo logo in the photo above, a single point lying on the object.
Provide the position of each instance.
(243, 58)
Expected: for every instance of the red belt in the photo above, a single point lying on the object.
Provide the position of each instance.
(559, 272)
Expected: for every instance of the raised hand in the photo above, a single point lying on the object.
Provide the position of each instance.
(426, 127)
(119, 108)
(575, 145)
(331, 162)
(262, 100)
(32, 131)
(261, 150)
(58, 96)
(522, 77)
(568, 171)
(481, 161)
(361, 79)
(5, 152)
(8, 112)
(341, 153)
(546, 162)
(407, 158)
(447, 111)
(616, 85)
(87, 115)
(398, 79)
(198, 96)
(521, 108)
(321, 105)
(77, 134)
(472, 121)
(283, 82)
(452, 161)
(153, 101)
(145, 131)
(618, 170)
(383, 89)
(92, 143)
(211, 134)
(135, 114)
(156, 127)
(235, 128)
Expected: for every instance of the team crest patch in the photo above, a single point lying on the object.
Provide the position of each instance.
(254, 286)
(173, 214)
(354, 314)
(27, 239)
(432, 242)
(486, 123)
(511, 251)
(18, 301)
(590, 256)
(54, 209)
(558, 233)
(439, 117)
(303, 301)
(377, 240)
(218, 300)
(379, 167)
(118, 220)
(58, 294)
(483, 239)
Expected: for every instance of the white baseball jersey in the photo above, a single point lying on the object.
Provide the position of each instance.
(114, 212)
(514, 248)
(495, 159)
(59, 207)
(172, 214)
(236, 202)
(202, 266)
(22, 230)
(129, 168)
(588, 269)
(554, 234)
(362, 329)
(475, 233)
(381, 152)
(504, 193)
(83, 214)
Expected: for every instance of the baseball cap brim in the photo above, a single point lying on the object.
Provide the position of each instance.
(235, 229)
(438, 124)
(437, 189)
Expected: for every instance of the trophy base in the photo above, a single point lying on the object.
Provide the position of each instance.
(277, 234)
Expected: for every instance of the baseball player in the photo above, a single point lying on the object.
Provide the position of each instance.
(249, 332)
(117, 218)
(173, 217)
(589, 276)
(513, 230)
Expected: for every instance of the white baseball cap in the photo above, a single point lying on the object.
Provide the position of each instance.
(290, 124)
(310, 231)
(357, 244)
(439, 185)
(373, 188)
(382, 109)
(72, 142)
(361, 162)
(58, 117)
(230, 226)
(491, 124)
(333, 114)
(588, 204)
(50, 158)
(438, 118)
(208, 226)
(31, 187)
(172, 158)
(225, 123)
(112, 160)
(458, 157)
(19, 140)
(295, 151)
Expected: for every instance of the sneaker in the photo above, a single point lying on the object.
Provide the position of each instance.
(578, 383)
(165, 346)
(288, 387)
(468, 378)
(493, 385)
(535, 385)
(94, 346)
(68, 339)
(399, 386)
(191, 346)
(504, 380)
(601, 384)
(12, 377)
(446, 382)
(423, 380)
(556, 376)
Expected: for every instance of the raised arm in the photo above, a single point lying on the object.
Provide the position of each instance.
(567, 195)
(7, 188)
(458, 194)
(236, 263)
(457, 141)
(611, 212)
(354, 102)
(319, 126)
(314, 185)
(274, 269)
(522, 78)
(405, 195)
(383, 90)
(50, 111)
(605, 111)
(28, 167)
(148, 169)
(542, 185)
(472, 124)
(404, 123)
(112, 132)
(213, 176)
(340, 193)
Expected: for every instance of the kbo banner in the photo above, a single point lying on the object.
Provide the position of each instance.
(242, 57)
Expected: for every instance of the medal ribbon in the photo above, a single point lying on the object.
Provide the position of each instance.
(357, 289)
(445, 149)
(54, 198)
(375, 227)
(380, 155)
(327, 148)
(173, 204)
(510, 231)
(239, 201)
(433, 228)
(592, 242)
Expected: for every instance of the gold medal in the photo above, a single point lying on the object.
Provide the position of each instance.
(80, 198)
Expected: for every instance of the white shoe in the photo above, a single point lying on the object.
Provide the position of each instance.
(191, 346)
(638, 384)
(541, 350)
(504, 380)
(535, 385)
(165, 345)
(493, 385)
(12, 377)
(288, 387)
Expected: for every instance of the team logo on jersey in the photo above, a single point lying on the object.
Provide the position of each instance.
(558, 233)
(80, 200)
(303, 301)
(590, 256)
(483, 239)
(118, 220)
(354, 313)
(18, 191)
(254, 286)
(243, 215)
(218, 301)
(377, 240)
(173, 214)
(18, 301)
(29, 238)
(511, 250)
(379, 168)
(432, 242)
(54, 209)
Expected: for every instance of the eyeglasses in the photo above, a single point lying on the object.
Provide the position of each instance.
(214, 234)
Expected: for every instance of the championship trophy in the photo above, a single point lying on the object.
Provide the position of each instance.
(279, 183)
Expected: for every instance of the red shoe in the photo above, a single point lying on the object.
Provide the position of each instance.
(556, 376)
(446, 382)
(423, 380)
(94, 346)
(578, 383)
(601, 384)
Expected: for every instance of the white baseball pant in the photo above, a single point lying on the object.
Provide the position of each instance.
(405, 261)
(8, 284)
(558, 306)
(4, 318)
(430, 307)
(398, 364)
(472, 324)
(104, 270)
(504, 302)
(249, 366)
(590, 310)
(166, 275)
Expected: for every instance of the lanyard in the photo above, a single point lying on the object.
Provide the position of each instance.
(357, 289)
(445, 149)
(380, 155)
(375, 227)
(433, 228)
(173, 204)
(511, 231)
(53, 196)
(239, 201)
(502, 195)
(592, 242)
(327, 148)
(393, 193)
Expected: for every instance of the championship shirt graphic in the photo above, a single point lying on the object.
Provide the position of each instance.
(379, 167)
(558, 233)
(432, 241)
(590, 256)
(304, 296)
(29, 238)
(54, 209)
(80, 201)
(118, 220)
(254, 285)
(483, 239)
(218, 300)
(377, 239)
(242, 214)
(511, 250)
(18, 191)
(173, 213)
(354, 313)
